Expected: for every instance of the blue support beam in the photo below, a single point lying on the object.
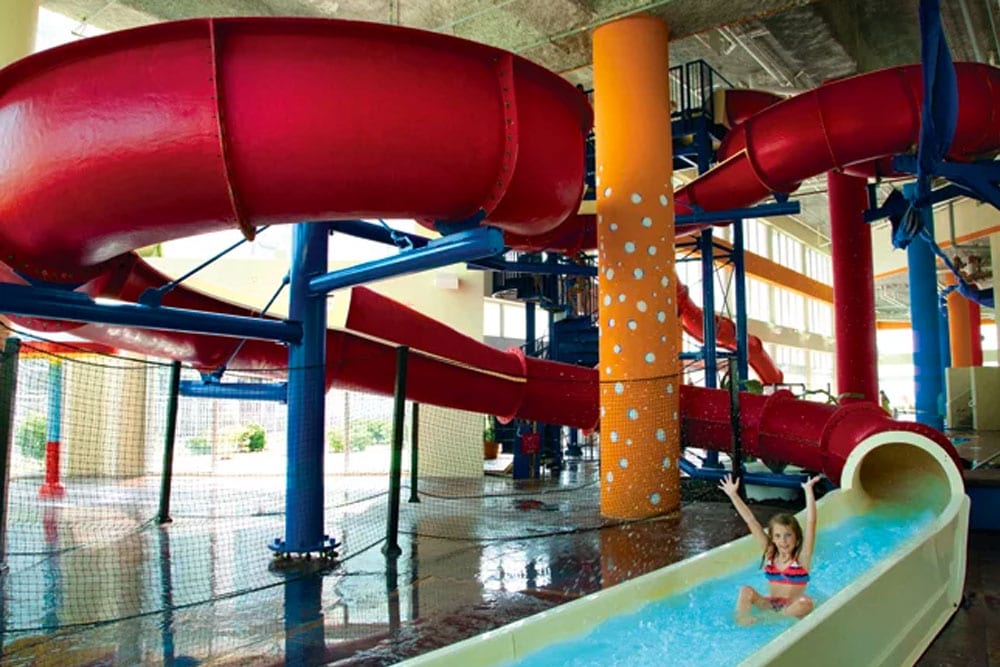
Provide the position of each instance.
(377, 233)
(460, 247)
(546, 268)
(304, 495)
(762, 211)
(742, 326)
(55, 304)
(241, 391)
(928, 381)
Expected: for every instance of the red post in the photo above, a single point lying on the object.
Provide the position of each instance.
(853, 290)
(975, 333)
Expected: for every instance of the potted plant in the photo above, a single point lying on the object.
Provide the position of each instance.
(491, 448)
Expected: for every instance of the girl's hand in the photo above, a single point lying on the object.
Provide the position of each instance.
(728, 486)
(811, 482)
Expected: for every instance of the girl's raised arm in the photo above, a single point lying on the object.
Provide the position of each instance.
(731, 489)
(809, 537)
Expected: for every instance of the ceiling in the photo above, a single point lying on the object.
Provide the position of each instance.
(780, 45)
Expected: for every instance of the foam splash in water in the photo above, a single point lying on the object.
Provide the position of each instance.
(697, 627)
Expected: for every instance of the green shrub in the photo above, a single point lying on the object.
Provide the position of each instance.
(199, 445)
(364, 434)
(335, 442)
(252, 438)
(32, 435)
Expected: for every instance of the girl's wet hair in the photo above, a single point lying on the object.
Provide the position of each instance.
(789, 521)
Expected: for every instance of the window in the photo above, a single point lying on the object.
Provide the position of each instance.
(514, 321)
(758, 300)
(787, 251)
(491, 318)
(755, 237)
(820, 318)
(791, 309)
(818, 266)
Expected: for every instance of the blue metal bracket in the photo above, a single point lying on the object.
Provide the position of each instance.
(74, 306)
(244, 391)
(461, 247)
(699, 217)
(973, 179)
(153, 296)
(378, 233)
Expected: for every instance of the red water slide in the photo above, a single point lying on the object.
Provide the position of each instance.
(693, 321)
(142, 136)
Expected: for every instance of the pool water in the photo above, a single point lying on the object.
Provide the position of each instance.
(697, 626)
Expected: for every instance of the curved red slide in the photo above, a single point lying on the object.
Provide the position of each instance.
(225, 124)
(693, 321)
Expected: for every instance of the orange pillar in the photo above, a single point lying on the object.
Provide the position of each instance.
(958, 328)
(639, 366)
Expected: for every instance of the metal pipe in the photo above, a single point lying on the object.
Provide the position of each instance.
(391, 548)
(8, 392)
(971, 31)
(461, 247)
(169, 440)
(243, 391)
(59, 305)
(993, 31)
(414, 449)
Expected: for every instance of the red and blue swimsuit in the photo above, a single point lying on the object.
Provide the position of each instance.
(793, 575)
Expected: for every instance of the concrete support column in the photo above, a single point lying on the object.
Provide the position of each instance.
(85, 427)
(853, 290)
(639, 365)
(18, 29)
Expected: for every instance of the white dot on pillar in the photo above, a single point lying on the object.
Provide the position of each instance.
(633, 325)
(636, 198)
(651, 250)
(600, 217)
(655, 498)
(638, 273)
(675, 415)
(618, 348)
(622, 298)
(607, 299)
(628, 442)
(603, 410)
(647, 221)
(664, 281)
(641, 306)
(614, 436)
(663, 200)
(608, 370)
(633, 414)
(663, 339)
(670, 388)
(661, 435)
(629, 247)
(661, 316)
(607, 192)
(613, 226)
(650, 357)
(666, 462)
(611, 323)
(610, 476)
(669, 301)
(623, 463)
(610, 273)
(619, 387)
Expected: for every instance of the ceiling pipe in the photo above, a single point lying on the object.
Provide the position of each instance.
(782, 80)
(969, 29)
(993, 32)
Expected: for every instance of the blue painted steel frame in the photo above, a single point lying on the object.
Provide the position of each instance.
(306, 399)
(243, 391)
(781, 480)
(459, 247)
(922, 266)
(56, 304)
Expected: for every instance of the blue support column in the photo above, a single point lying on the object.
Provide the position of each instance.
(306, 394)
(928, 383)
(708, 346)
(740, 279)
(529, 328)
(944, 341)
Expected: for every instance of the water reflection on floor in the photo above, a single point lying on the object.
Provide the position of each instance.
(204, 590)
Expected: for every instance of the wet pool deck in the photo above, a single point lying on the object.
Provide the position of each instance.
(524, 557)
